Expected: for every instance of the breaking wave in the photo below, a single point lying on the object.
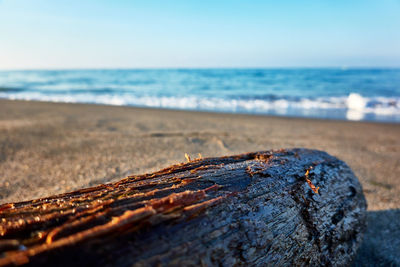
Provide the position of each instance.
(355, 106)
(353, 94)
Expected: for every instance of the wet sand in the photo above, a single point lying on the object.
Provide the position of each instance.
(49, 148)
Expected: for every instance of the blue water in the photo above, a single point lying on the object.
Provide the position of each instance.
(350, 94)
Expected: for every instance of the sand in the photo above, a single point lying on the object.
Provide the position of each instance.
(49, 148)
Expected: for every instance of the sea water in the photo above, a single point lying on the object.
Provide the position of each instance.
(349, 94)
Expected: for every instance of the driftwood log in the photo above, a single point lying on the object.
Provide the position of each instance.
(252, 209)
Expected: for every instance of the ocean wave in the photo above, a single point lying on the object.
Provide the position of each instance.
(10, 89)
(354, 106)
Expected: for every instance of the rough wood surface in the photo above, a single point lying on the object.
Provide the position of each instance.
(250, 209)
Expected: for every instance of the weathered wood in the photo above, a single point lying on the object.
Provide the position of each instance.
(251, 209)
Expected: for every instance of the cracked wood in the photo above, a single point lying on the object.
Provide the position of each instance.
(249, 209)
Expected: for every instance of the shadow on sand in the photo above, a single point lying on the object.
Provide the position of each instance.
(381, 245)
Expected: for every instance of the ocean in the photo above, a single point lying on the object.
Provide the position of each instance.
(346, 94)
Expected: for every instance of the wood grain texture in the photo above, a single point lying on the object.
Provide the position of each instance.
(250, 209)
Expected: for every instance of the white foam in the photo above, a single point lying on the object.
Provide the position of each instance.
(353, 106)
(354, 115)
(356, 102)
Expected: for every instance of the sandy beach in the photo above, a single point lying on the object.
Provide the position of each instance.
(50, 148)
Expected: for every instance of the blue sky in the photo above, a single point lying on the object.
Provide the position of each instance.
(144, 34)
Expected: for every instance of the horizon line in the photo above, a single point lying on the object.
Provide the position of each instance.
(199, 68)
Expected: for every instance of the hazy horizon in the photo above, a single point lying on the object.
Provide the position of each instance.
(210, 68)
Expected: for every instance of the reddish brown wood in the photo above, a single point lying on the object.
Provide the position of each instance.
(250, 209)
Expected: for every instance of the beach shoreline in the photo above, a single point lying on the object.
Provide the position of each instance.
(38, 128)
(324, 93)
(51, 148)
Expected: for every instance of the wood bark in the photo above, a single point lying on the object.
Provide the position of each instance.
(252, 209)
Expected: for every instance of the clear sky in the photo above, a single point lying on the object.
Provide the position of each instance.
(62, 34)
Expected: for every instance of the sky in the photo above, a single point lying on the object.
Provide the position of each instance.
(44, 34)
